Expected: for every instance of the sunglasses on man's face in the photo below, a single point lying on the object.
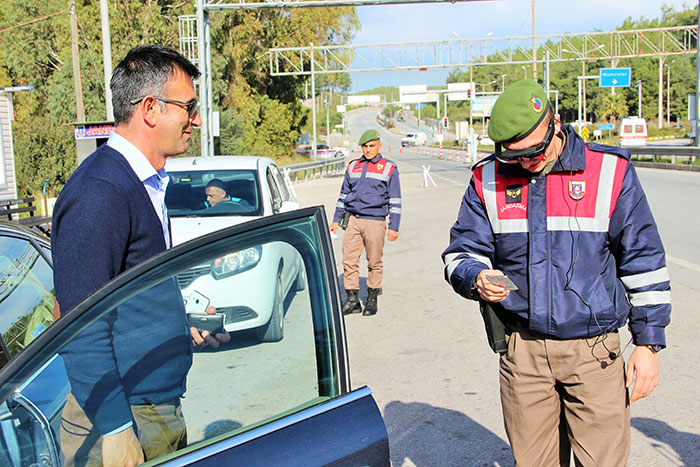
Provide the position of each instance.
(190, 106)
(514, 156)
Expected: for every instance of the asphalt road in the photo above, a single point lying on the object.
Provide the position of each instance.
(425, 354)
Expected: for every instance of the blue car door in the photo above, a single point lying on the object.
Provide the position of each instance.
(286, 402)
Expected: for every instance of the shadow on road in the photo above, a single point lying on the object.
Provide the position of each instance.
(686, 445)
(414, 427)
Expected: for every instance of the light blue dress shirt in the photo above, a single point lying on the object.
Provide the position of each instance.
(154, 182)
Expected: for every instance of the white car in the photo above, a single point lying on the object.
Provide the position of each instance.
(256, 188)
(323, 151)
(414, 139)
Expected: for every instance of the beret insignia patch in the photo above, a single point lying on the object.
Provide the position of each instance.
(537, 104)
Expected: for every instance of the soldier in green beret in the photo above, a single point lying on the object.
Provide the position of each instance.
(370, 192)
(556, 239)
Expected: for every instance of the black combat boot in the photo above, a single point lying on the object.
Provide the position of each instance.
(371, 305)
(352, 302)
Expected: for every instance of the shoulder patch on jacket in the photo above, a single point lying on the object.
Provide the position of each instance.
(618, 151)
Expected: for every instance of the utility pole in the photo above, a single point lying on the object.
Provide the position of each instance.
(471, 86)
(668, 95)
(328, 120)
(534, 45)
(661, 91)
(639, 95)
(697, 89)
(107, 58)
(77, 82)
(583, 83)
(313, 99)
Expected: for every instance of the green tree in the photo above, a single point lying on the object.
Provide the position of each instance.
(613, 107)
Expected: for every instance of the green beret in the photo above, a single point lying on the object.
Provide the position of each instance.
(518, 111)
(369, 135)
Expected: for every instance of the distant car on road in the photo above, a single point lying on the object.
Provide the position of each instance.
(256, 188)
(323, 151)
(414, 139)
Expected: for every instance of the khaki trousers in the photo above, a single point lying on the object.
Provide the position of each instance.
(363, 234)
(160, 430)
(545, 381)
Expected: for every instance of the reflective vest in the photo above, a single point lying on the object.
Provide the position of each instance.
(580, 243)
(371, 190)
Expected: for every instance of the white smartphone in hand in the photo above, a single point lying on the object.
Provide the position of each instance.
(196, 303)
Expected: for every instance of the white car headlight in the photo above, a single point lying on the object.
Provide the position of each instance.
(235, 263)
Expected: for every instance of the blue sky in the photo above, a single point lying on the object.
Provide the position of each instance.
(470, 20)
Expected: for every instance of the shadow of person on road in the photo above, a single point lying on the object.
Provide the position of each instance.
(424, 435)
(686, 445)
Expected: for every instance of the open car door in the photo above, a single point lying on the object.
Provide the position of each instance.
(286, 402)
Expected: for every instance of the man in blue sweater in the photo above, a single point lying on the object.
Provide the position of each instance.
(131, 365)
(370, 192)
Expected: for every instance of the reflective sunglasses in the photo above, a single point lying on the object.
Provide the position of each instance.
(513, 156)
(189, 106)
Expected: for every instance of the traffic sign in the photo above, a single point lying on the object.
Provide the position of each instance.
(419, 106)
(615, 77)
(605, 126)
(585, 132)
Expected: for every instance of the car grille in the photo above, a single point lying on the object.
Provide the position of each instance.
(187, 277)
(236, 314)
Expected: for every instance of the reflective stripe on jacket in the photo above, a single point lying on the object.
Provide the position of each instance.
(371, 190)
(580, 243)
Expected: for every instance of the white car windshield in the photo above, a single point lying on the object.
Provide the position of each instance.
(213, 193)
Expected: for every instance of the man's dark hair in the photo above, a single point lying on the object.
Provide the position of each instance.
(145, 71)
(218, 183)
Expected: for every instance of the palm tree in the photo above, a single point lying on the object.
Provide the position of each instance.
(614, 106)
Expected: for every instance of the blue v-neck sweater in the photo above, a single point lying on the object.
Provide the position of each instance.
(104, 223)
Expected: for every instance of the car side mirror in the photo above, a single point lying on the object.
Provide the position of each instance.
(289, 206)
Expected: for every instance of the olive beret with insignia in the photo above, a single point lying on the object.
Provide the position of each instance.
(518, 111)
(369, 135)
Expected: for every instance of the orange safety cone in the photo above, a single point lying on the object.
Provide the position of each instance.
(457, 156)
(389, 148)
(400, 149)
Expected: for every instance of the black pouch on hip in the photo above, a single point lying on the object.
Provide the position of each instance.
(495, 330)
(344, 222)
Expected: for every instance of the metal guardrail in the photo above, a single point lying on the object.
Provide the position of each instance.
(306, 170)
(679, 155)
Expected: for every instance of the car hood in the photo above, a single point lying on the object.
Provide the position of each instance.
(187, 228)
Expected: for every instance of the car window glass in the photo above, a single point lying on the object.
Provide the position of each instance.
(272, 287)
(26, 293)
(281, 183)
(186, 194)
(274, 191)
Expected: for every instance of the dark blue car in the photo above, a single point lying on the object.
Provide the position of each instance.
(247, 403)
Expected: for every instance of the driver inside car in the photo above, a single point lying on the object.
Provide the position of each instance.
(216, 193)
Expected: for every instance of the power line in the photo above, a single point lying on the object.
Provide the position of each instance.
(35, 20)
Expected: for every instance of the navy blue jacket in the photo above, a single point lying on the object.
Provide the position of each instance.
(580, 243)
(371, 190)
(103, 224)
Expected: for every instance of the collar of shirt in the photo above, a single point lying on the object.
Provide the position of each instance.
(573, 153)
(138, 162)
(376, 159)
(155, 182)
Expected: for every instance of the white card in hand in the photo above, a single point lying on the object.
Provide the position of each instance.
(503, 281)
